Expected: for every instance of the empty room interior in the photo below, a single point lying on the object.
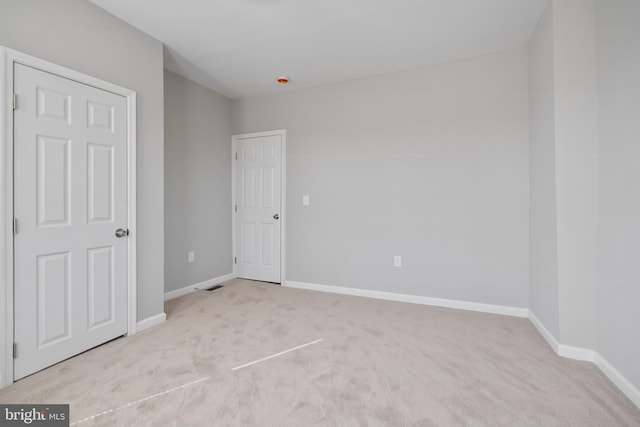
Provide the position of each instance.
(340, 213)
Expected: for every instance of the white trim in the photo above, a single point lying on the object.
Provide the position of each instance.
(414, 299)
(588, 355)
(7, 58)
(234, 266)
(283, 199)
(201, 285)
(576, 353)
(283, 209)
(6, 218)
(548, 336)
(132, 239)
(568, 351)
(152, 321)
(618, 379)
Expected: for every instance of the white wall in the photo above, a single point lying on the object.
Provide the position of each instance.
(543, 269)
(618, 290)
(197, 183)
(81, 36)
(430, 164)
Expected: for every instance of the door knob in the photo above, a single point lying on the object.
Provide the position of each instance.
(276, 216)
(122, 232)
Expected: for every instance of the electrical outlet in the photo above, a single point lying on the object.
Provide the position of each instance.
(397, 261)
(191, 256)
(305, 200)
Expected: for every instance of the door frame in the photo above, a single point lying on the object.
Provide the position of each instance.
(7, 58)
(283, 199)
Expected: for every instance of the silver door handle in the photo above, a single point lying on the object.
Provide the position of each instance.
(276, 216)
(122, 232)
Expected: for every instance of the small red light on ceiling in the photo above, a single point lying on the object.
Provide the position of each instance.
(283, 80)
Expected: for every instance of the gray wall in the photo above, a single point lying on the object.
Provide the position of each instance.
(564, 155)
(576, 168)
(618, 290)
(430, 164)
(543, 268)
(584, 177)
(564, 172)
(81, 36)
(197, 183)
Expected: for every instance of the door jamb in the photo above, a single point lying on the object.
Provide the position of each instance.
(7, 58)
(283, 199)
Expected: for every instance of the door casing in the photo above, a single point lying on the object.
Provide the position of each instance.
(7, 58)
(283, 201)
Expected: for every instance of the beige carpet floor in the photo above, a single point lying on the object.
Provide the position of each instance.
(378, 363)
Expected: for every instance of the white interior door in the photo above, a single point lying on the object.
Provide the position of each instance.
(259, 200)
(70, 196)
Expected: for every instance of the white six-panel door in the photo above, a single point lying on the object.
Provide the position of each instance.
(70, 196)
(258, 199)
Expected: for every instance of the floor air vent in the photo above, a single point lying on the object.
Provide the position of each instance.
(213, 288)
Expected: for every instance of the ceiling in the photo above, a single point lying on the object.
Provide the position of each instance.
(239, 47)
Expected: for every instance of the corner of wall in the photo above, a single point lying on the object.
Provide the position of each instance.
(588, 355)
(548, 336)
(150, 322)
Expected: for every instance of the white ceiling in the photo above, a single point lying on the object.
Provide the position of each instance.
(239, 47)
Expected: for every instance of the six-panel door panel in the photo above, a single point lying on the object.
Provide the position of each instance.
(259, 197)
(70, 155)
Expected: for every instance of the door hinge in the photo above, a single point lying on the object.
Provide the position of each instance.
(15, 350)
(15, 101)
(15, 226)
(235, 260)
(236, 208)
(236, 156)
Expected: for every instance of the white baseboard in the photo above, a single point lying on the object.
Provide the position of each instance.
(577, 353)
(568, 351)
(548, 336)
(202, 285)
(150, 322)
(414, 299)
(618, 379)
(588, 355)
